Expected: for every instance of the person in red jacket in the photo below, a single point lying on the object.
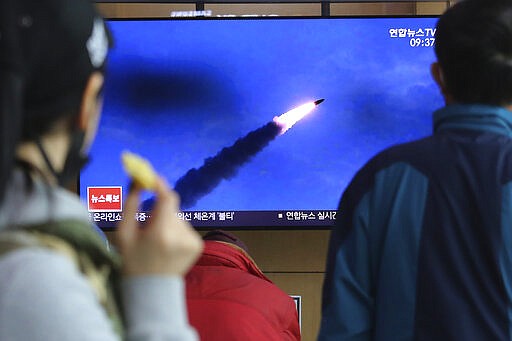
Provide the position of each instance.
(229, 298)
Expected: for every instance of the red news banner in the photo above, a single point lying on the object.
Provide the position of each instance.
(105, 199)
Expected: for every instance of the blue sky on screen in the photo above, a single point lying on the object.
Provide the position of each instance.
(178, 91)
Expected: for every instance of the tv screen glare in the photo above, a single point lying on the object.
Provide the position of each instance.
(200, 98)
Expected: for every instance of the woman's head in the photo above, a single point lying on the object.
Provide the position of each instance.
(52, 55)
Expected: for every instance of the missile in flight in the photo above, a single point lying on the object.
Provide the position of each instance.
(289, 118)
(198, 182)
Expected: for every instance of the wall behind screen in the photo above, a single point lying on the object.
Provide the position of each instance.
(159, 10)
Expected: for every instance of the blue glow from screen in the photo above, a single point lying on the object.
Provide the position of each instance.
(178, 91)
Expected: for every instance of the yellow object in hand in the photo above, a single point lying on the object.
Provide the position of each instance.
(139, 169)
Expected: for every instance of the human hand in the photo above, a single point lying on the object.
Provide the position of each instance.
(166, 245)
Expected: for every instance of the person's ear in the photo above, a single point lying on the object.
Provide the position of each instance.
(90, 107)
(438, 76)
(90, 99)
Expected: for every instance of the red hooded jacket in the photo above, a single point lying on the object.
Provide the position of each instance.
(229, 298)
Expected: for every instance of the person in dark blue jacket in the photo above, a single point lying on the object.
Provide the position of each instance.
(422, 249)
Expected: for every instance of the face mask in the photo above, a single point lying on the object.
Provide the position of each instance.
(75, 160)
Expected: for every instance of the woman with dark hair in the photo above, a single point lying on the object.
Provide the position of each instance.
(58, 280)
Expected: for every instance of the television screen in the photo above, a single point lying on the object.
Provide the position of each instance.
(230, 111)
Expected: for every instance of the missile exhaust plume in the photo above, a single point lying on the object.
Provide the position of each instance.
(198, 182)
(289, 118)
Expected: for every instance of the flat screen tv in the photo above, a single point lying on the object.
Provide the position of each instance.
(201, 99)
